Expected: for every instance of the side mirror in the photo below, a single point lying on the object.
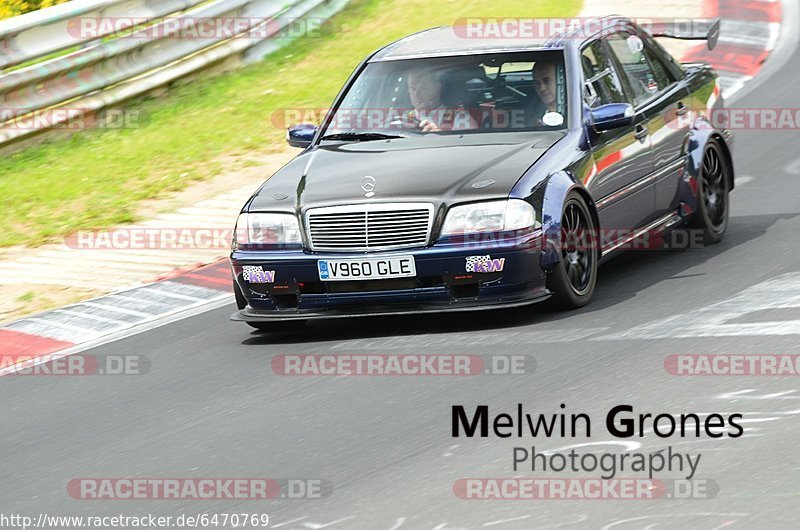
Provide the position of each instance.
(612, 116)
(301, 135)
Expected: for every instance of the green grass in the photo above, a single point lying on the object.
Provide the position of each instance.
(27, 297)
(98, 178)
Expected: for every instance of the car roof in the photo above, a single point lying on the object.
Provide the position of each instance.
(446, 41)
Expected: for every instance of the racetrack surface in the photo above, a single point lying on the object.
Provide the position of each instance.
(211, 406)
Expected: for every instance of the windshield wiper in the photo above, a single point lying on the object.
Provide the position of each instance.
(361, 136)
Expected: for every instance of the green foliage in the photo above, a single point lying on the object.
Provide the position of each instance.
(12, 8)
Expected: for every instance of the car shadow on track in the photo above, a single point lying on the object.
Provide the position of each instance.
(620, 279)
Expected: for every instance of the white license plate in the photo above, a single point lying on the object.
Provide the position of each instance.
(366, 268)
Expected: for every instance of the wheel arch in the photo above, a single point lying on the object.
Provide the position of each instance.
(558, 187)
(698, 139)
(726, 150)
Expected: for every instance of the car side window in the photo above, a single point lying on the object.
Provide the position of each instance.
(664, 75)
(601, 81)
(630, 52)
(674, 68)
(663, 78)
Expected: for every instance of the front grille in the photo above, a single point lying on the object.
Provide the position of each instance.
(370, 226)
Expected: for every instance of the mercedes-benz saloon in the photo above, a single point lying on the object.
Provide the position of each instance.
(456, 174)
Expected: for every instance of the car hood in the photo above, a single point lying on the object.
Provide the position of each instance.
(437, 169)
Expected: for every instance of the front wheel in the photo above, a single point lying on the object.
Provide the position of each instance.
(712, 195)
(572, 281)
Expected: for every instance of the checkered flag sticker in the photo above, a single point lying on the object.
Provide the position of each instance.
(474, 260)
(248, 271)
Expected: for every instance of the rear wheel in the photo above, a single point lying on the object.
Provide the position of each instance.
(573, 279)
(712, 195)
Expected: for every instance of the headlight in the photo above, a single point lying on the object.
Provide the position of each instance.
(266, 229)
(492, 216)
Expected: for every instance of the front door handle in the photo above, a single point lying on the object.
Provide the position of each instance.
(641, 133)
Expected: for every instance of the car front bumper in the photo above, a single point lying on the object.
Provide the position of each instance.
(442, 283)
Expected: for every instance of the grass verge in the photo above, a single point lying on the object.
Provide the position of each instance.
(97, 178)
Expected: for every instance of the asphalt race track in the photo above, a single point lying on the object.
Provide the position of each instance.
(211, 406)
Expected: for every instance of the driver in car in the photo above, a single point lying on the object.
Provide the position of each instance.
(425, 92)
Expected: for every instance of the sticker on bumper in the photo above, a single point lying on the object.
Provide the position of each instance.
(257, 274)
(485, 264)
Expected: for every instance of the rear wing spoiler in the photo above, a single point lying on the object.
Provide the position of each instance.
(707, 30)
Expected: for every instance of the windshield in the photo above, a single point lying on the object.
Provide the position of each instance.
(519, 91)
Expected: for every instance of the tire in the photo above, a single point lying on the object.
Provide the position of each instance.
(279, 327)
(712, 194)
(573, 280)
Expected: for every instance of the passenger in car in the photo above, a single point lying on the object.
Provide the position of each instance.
(545, 82)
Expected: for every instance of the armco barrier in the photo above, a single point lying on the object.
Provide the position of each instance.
(108, 69)
(40, 33)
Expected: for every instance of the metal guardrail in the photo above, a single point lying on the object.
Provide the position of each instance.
(109, 66)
